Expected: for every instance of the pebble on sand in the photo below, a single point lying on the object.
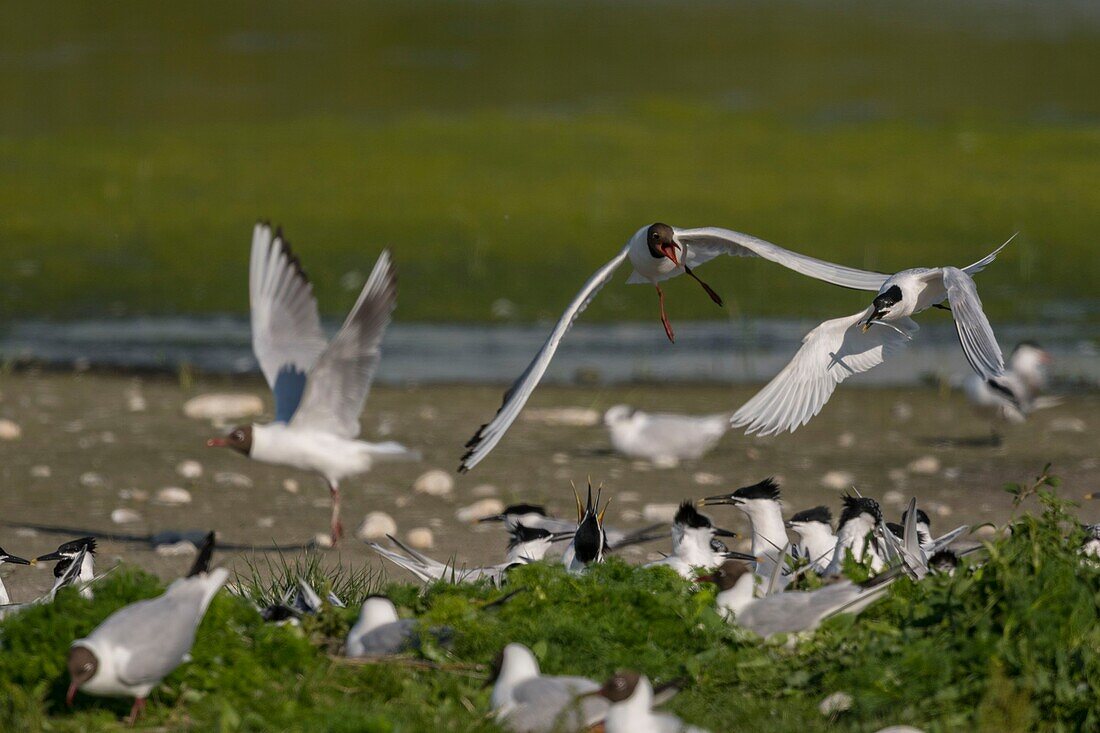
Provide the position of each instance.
(189, 469)
(10, 430)
(125, 516)
(172, 496)
(484, 490)
(666, 462)
(838, 480)
(92, 480)
(434, 483)
(177, 549)
(420, 538)
(290, 485)
(659, 512)
(376, 525)
(925, 465)
(322, 540)
(133, 494)
(893, 497)
(1067, 425)
(846, 440)
(838, 702)
(235, 480)
(479, 509)
(706, 479)
(218, 407)
(41, 472)
(578, 417)
(265, 522)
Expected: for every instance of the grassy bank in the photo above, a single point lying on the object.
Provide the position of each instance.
(506, 149)
(1009, 645)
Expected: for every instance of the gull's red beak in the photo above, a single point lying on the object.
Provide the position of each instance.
(217, 443)
(705, 579)
(669, 251)
(71, 694)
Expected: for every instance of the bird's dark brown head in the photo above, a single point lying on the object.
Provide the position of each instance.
(82, 667)
(239, 439)
(620, 686)
(659, 238)
(727, 574)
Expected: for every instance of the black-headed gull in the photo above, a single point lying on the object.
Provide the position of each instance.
(632, 698)
(320, 387)
(657, 252)
(841, 347)
(526, 701)
(139, 645)
(661, 437)
(379, 632)
(791, 611)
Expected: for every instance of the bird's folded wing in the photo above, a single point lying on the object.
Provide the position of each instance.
(830, 353)
(160, 631)
(706, 243)
(286, 329)
(975, 334)
(341, 379)
(516, 397)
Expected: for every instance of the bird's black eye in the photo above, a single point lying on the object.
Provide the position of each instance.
(238, 435)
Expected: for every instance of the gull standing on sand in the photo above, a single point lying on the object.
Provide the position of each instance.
(319, 387)
(139, 645)
(663, 438)
(841, 347)
(657, 252)
(1017, 393)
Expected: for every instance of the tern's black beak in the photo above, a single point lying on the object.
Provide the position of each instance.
(14, 560)
(720, 500)
(492, 518)
(875, 316)
(562, 536)
(55, 555)
(719, 532)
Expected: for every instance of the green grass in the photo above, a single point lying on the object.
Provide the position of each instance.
(1011, 644)
(505, 149)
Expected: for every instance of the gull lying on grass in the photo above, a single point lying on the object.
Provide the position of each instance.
(631, 698)
(379, 632)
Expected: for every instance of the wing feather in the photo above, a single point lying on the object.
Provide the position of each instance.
(286, 329)
(516, 397)
(339, 383)
(706, 243)
(830, 353)
(975, 334)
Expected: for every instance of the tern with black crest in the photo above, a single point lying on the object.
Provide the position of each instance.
(80, 551)
(693, 543)
(842, 347)
(817, 542)
(760, 503)
(11, 560)
(320, 386)
(657, 252)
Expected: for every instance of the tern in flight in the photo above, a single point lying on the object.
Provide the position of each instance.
(319, 386)
(841, 347)
(657, 252)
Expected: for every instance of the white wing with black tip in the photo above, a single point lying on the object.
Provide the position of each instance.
(337, 387)
(516, 397)
(286, 329)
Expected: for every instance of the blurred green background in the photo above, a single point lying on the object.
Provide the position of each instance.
(504, 149)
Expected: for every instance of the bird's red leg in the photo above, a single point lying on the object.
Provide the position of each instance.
(710, 291)
(664, 316)
(136, 711)
(335, 526)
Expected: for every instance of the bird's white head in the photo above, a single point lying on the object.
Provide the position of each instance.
(617, 414)
(377, 611)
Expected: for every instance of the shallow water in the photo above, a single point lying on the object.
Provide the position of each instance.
(80, 424)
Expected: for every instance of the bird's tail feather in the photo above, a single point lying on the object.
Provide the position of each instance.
(392, 451)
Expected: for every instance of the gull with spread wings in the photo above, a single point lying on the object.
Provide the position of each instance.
(841, 347)
(319, 386)
(658, 252)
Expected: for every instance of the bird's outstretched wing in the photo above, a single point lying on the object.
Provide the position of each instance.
(975, 334)
(830, 353)
(516, 397)
(340, 381)
(706, 243)
(975, 268)
(286, 329)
